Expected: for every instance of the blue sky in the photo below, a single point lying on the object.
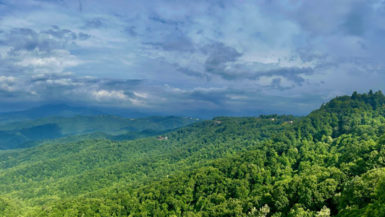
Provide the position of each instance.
(201, 57)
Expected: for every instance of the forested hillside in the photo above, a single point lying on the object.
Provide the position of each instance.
(55, 171)
(22, 134)
(329, 163)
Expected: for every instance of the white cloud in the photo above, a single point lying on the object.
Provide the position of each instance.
(7, 83)
(57, 61)
(109, 95)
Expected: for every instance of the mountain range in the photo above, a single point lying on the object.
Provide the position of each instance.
(328, 163)
(30, 127)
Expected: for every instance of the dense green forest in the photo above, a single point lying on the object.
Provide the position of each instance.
(329, 163)
(54, 171)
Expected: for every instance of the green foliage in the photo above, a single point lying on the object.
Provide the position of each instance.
(329, 163)
(55, 171)
(9, 207)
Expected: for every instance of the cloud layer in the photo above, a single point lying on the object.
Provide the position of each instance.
(190, 57)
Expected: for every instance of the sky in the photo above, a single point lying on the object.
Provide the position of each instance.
(200, 58)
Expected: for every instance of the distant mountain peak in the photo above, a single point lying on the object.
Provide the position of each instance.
(48, 110)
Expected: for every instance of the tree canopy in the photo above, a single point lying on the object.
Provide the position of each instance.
(329, 163)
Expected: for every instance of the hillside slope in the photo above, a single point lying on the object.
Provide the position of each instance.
(56, 171)
(329, 163)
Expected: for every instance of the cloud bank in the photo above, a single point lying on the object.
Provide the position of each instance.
(190, 58)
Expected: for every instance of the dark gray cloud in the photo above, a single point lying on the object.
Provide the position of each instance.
(94, 23)
(175, 41)
(215, 97)
(219, 56)
(293, 74)
(161, 20)
(26, 39)
(65, 34)
(131, 30)
(83, 36)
